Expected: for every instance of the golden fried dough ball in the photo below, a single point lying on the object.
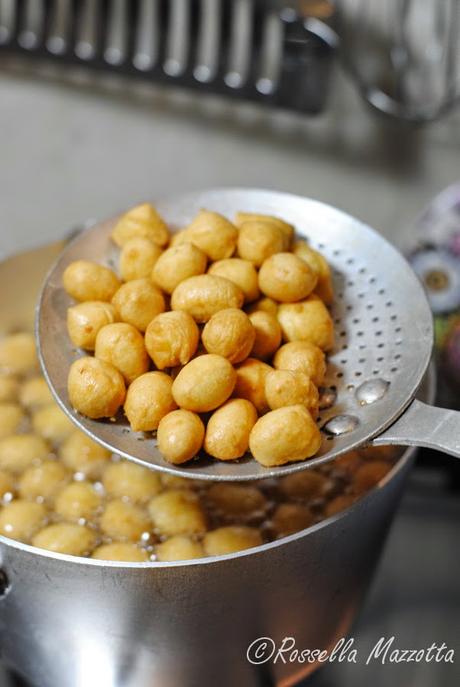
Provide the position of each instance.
(264, 305)
(138, 302)
(286, 278)
(11, 417)
(302, 356)
(137, 258)
(6, 483)
(171, 339)
(308, 320)
(179, 548)
(213, 234)
(236, 500)
(284, 435)
(180, 436)
(319, 264)
(177, 512)
(21, 519)
(77, 500)
(257, 241)
(368, 475)
(120, 551)
(268, 334)
(52, 423)
(339, 503)
(87, 281)
(204, 383)
(177, 264)
(173, 482)
(80, 454)
(17, 354)
(229, 333)
(19, 451)
(123, 479)
(250, 383)
(286, 229)
(227, 433)
(142, 221)
(35, 393)
(240, 272)
(85, 320)
(149, 399)
(288, 388)
(230, 540)
(122, 345)
(96, 388)
(63, 537)
(9, 388)
(121, 520)
(204, 295)
(304, 485)
(289, 518)
(43, 480)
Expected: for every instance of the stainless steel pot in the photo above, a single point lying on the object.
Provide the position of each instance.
(72, 622)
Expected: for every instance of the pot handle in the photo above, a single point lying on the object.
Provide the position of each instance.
(424, 425)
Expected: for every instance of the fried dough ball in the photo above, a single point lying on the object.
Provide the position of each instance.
(289, 518)
(122, 345)
(142, 221)
(204, 383)
(149, 399)
(339, 503)
(52, 423)
(19, 451)
(250, 383)
(137, 258)
(302, 356)
(286, 278)
(304, 485)
(229, 333)
(288, 388)
(121, 520)
(138, 302)
(179, 548)
(121, 551)
(268, 334)
(177, 264)
(369, 475)
(18, 354)
(319, 264)
(171, 339)
(227, 433)
(284, 435)
(11, 417)
(85, 320)
(43, 480)
(231, 539)
(96, 388)
(87, 281)
(286, 228)
(348, 463)
(264, 305)
(80, 454)
(236, 500)
(77, 500)
(21, 519)
(240, 272)
(258, 240)
(6, 483)
(174, 482)
(124, 479)
(35, 393)
(9, 388)
(63, 537)
(180, 436)
(177, 512)
(308, 320)
(204, 295)
(213, 234)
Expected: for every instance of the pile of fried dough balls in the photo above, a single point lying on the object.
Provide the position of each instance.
(213, 337)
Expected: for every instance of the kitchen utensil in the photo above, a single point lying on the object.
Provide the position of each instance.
(383, 337)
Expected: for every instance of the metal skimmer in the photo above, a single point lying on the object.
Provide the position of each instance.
(383, 324)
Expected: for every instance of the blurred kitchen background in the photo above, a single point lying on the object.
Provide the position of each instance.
(105, 103)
